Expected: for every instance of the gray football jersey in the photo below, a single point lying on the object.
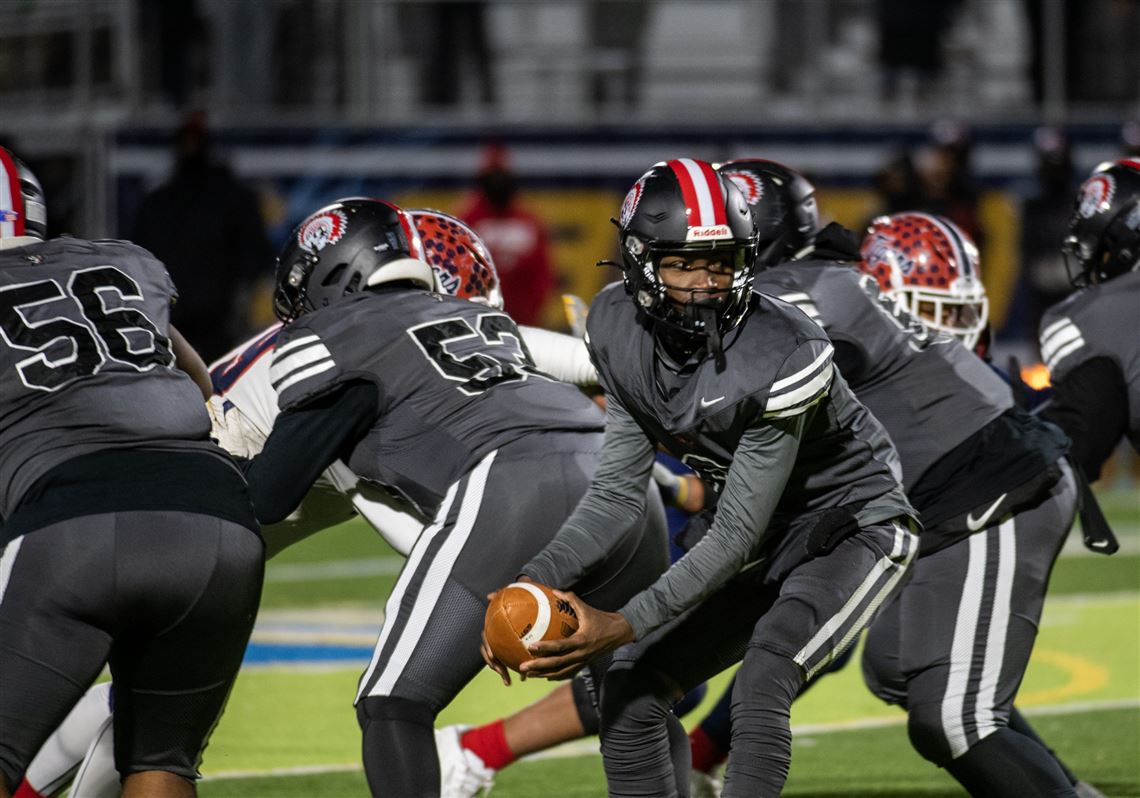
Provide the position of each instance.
(85, 360)
(455, 382)
(1102, 320)
(927, 389)
(778, 366)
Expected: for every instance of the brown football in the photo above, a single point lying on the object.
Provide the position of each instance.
(523, 613)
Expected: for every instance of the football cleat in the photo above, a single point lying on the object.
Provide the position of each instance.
(462, 773)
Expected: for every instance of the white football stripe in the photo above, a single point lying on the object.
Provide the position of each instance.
(1052, 328)
(1059, 339)
(296, 377)
(542, 616)
(962, 647)
(7, 562)
(999, 622)
(704, 197)
(806, 391)
(297, 343)
(1067, 350)
(284, 366)
(803, 373)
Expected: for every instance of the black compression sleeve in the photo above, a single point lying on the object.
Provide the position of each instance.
(1091, 405)
(848, 358)
(305, 441)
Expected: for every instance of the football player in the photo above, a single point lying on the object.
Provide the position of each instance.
(128, 535)
(996, 495)
(243, 407)
(439, 400)
(812, 532)
(1089, 341)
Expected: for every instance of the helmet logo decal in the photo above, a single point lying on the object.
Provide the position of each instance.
(750, 185)
(319, 231)
(629, 204)
(9, 216)
(1096, 195)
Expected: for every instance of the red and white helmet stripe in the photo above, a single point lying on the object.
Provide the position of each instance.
(12, 211)
(700, 189)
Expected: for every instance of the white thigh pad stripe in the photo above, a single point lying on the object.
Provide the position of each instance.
(962, 648)
(437, 573)
(7, 562)
(999, 625)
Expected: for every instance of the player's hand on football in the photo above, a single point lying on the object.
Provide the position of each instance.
(492, 661)
(598, 633)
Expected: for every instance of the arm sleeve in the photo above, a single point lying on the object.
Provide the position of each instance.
(562, 356)
(610, 506)
(304, 442)
(1090, 403)
(760, 469)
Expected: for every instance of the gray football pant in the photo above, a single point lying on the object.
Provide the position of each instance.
(490, 524)
(785, 632)
(953, 647)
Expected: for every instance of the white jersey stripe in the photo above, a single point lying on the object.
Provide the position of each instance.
(296, 343)
(392, 608)
(962, 648)
(805, 392)
(802, 374)
(999, 622)
(1065, 351)
(1052, 328)
(1059, 339)
(704, 196)
(433, 583)
(7, 561)
(304, 374)
(282, 367)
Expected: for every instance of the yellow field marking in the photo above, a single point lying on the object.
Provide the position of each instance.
(1085, 676)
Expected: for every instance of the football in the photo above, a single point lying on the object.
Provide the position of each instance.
(523, 613)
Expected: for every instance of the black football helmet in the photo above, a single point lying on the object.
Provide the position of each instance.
(683, 207)
(1104, 229)
(22, 209)
(782, 203)
(353, 244)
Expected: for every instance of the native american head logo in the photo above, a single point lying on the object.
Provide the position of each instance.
(326, 227)
(1096, 195)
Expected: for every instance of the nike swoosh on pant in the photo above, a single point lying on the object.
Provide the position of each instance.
(974, 525)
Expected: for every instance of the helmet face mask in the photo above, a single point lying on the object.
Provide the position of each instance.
(1104, 228)
(344, 248)
(683, 210)
(930, 266)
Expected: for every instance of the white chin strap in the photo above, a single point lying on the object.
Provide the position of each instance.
(12, 242)
(404, 269)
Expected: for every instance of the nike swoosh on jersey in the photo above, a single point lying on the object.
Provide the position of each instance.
(974, 525)
(710, 402)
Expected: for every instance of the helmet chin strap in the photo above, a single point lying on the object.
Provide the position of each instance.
(708, 314)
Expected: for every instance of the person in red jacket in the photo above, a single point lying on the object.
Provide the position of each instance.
(517, 238)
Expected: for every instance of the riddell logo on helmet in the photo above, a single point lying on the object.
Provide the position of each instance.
(712, 232)
(321, 230)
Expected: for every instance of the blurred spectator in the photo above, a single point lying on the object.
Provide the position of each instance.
(898, 185)
(910, 40)
(1044, 220)
(173, 34)
(518, 239)
(1130, 138)
(947, 181)
(207, 228)
(449, 42)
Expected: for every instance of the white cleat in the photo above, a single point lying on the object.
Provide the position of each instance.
(462, 773)
(704, 785)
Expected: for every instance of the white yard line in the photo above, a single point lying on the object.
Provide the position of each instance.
(589, 745)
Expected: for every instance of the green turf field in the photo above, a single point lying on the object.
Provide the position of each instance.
(290, 730)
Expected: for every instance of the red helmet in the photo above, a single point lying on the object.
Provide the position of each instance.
(22, 210)
(930, 265)
(461, 261)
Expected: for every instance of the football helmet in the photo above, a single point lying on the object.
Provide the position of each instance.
(1104, 228)
(461, 261)
(684, 207)
(783, 206)
(22, 209)
(931, 266)
(345, 247)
